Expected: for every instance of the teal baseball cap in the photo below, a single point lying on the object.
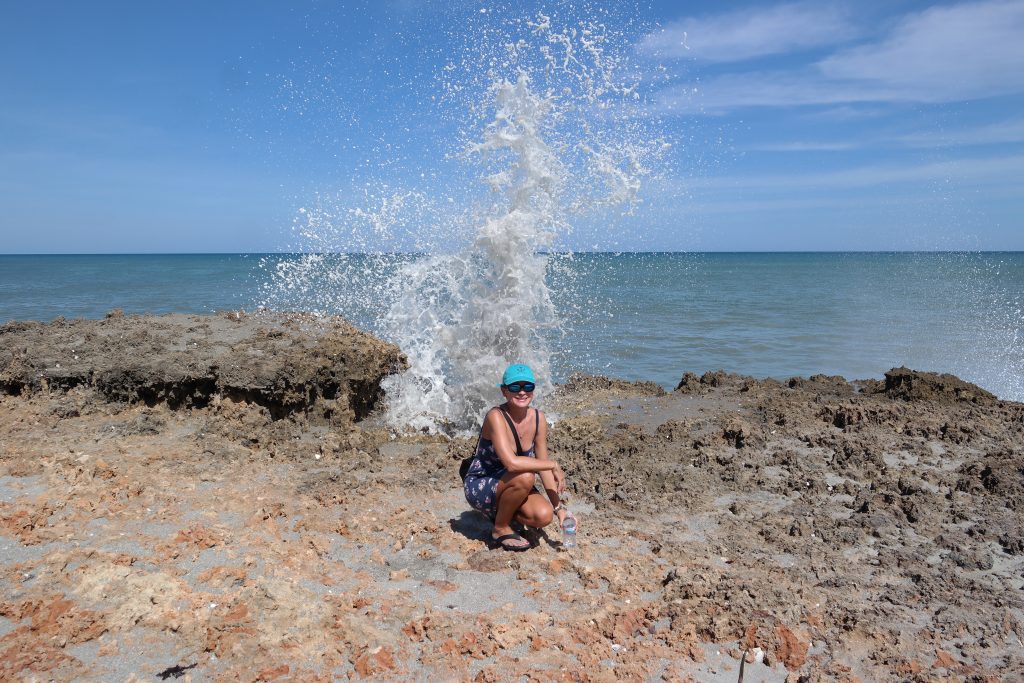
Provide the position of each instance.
(517, 373)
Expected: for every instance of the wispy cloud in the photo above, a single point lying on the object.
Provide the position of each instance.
(803, 147)
(966, 171)
(846, 113)
(767, 89)
(1000, 133)
(1008, 132)
(749, 33)
(943, 54)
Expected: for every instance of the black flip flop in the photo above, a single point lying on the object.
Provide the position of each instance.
(500, 540)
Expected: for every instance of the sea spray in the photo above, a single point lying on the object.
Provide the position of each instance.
(547, 128)
(557, 142)
(462, 319)
(346, 246)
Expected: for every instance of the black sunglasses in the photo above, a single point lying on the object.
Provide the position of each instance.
(516, 387)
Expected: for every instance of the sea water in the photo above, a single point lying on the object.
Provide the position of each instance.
(635, 316)
(542, 113)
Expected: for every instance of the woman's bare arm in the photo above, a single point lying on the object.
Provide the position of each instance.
(497, 432)
(554, 479)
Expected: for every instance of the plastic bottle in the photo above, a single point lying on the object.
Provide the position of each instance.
(568, 531)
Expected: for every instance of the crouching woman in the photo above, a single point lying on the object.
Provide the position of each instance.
(511, 451)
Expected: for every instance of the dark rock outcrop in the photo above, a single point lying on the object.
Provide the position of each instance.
(291, 364)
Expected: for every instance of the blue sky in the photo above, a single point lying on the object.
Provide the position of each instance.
(205, 127)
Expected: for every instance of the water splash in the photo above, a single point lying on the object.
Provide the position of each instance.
(558, 140)
(543, 114)
(461, 319)
(343, 251)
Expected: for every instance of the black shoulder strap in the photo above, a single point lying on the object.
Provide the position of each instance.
(515, 434)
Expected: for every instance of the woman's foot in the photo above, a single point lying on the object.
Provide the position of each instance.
(510, 540)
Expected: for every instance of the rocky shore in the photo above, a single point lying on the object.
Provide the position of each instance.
(217, 498)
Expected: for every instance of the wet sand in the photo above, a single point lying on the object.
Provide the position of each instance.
(216, 498)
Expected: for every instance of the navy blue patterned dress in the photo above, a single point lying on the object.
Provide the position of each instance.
(484, 473)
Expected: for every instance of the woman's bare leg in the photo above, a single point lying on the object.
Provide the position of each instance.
(518, 499)
(512, 492)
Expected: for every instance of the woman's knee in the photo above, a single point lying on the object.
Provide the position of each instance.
(524, 481)
(536, 513)
(542, 517)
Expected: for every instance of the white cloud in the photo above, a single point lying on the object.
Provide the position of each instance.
(748, 33)
(767, 89)
(1001, 133)
(943, 54)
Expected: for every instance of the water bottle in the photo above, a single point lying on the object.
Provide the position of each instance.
(568, 531)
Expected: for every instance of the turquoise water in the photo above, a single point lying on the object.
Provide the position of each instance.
(779, 315)
(637, 316)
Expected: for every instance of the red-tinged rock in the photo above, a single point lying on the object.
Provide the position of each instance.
(749, 641)
(273, 672)
(200, 537)
(22, 524)
(627, 625)
(223, 576)
(60, 618)
(232, 632)
(102, 470)
(15, 611)
(360, 603)
(675, 676)
(944, 660)
(26, 656)
(907, 668)
(792, 648)
(237, 613)
(415, 630)
(375, 661)
(490, 675)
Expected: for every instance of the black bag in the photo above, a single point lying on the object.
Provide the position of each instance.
(464, 467)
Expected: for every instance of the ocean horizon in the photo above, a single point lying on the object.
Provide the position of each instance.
(632, 315)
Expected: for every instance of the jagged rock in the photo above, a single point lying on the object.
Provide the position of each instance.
(321, 368)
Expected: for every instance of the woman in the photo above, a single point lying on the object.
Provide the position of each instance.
(500, 481)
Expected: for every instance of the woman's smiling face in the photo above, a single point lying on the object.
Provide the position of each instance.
(520, 399)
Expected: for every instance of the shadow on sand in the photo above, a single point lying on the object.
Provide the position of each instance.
(476, 527)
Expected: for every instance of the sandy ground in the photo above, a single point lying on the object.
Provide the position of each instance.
(163, 519)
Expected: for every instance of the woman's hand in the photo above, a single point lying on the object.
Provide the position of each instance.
(559, 476)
